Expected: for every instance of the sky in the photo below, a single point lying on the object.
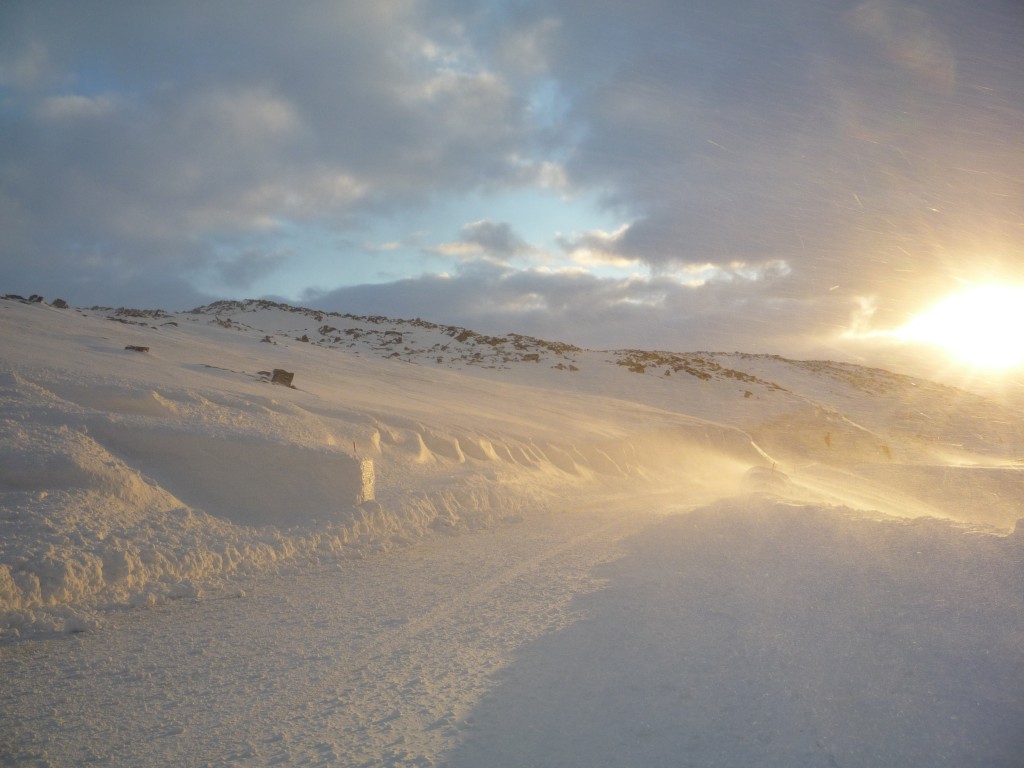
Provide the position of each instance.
(791, 177)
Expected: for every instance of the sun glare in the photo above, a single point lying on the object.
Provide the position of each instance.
(982, 327)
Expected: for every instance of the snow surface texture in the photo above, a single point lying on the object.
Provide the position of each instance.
(817, 560)
(132, 476)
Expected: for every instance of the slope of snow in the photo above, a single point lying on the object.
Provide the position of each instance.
(562, 556)
(129, 476)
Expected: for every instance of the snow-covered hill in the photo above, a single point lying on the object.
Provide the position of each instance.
(149, 454)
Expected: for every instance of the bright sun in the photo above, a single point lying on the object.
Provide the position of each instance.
(983, 326)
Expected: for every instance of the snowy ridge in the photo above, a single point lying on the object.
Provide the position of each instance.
(133, 476)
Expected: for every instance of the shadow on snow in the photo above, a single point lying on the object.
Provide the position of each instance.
(758, 633)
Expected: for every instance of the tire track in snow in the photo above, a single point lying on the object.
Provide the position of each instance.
(375, 662)
(406, 697)
(444, 612)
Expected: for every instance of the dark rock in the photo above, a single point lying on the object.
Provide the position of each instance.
(59, 304)
(135, 348)
(35, 298)
(282, 377)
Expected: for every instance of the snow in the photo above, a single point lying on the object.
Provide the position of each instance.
(876, 644)
(442, 548)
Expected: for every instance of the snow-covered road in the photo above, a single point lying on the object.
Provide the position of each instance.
(374, 662)
(635, 632)
(751, 632)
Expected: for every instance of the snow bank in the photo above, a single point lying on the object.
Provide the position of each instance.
(177, 478)
(130, 477)
(84, 529)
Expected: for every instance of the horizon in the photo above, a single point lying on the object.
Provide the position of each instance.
(1007, 387)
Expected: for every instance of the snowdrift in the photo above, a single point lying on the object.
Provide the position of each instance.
(132, 476)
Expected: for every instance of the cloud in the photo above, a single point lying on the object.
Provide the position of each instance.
(25, 66)
(76, 107)
(772, 165)
(909, 39)
(576, 306)
(526, 49)
(205, 129)
(243, 269)
(597, 247)
(826, 140)
(495, 238)
(495, 241)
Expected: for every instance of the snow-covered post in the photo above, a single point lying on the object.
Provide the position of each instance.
(366, 481)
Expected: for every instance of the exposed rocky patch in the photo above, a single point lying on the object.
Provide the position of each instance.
(694, 364)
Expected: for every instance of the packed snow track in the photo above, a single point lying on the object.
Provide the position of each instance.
(640, 632)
